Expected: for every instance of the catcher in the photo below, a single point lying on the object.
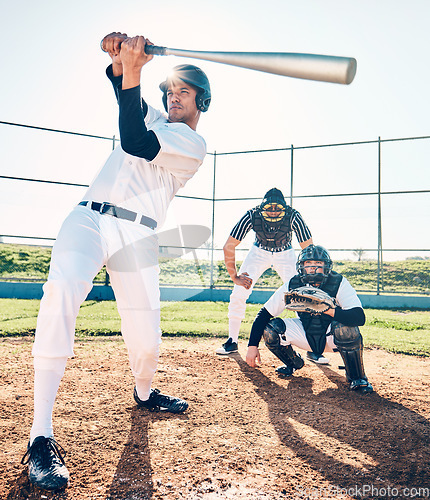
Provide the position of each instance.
(329, 314)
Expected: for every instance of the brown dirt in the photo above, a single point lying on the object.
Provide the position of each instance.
(247, 433)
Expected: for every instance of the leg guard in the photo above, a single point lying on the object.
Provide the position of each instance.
(272, 338)
(349, 342)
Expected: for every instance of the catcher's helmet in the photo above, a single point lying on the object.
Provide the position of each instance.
(193, 76)
(273, 207)
(314, 252)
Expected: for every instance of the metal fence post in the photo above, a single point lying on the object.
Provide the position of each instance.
(379, 282)
(107, 279)
(291, 176)
(211, 284)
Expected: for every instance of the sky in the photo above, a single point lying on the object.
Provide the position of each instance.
(54, 77)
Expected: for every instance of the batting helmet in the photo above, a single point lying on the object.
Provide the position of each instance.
(193, 76)
(314, 252)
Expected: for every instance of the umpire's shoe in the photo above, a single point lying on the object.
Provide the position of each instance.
(319, 360)
(161, 402)
(46, 468)
(227, 348)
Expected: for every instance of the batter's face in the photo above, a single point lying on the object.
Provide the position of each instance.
(181, 104)
(314, 266)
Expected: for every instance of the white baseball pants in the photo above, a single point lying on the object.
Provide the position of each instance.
(295, 335)
(88, 240)
(255, 263)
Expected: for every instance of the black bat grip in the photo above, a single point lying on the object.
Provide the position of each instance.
(155, 50)
(149, 49)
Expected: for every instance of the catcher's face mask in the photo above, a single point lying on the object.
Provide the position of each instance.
(313, 272)
(314, 253)
(314, 266)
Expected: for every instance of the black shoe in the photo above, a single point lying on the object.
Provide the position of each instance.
(285, 371)
(361, 385)
(161, 402)
(46, 468)
(227, 348)
(297, 362)
(319, 360)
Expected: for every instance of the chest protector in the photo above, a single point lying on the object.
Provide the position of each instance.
(315, 326)
(271, 238)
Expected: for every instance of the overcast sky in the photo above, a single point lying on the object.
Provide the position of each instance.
(53, 76)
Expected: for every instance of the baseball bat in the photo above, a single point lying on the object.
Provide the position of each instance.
(316, 67)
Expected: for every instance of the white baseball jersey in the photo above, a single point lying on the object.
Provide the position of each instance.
(148, 187)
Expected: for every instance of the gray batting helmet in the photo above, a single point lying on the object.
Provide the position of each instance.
(193, 76)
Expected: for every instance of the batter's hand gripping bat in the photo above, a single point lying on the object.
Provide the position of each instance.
(306, 66)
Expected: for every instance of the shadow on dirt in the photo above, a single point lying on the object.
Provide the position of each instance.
(23, 489)
(353, 440)
(134, 473)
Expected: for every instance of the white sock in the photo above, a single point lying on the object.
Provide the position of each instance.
(234, 328)
(48, 373)
(143, 388)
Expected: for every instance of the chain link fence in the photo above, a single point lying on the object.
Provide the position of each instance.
(367, 202)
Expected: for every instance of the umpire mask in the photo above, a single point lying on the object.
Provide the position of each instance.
(273, 208)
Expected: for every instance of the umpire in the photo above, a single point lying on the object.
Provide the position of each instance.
(273, 222)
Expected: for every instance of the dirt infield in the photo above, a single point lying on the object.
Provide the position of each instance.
(247, 433)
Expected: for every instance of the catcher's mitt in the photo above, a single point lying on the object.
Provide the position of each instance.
(308, 299)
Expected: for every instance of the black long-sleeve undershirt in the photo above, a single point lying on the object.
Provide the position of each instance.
(136, 139)
(257, 329)
(348, 317)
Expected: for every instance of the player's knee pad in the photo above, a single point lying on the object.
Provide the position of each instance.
(275, 328)
(272, 335)
(348, 336)
(349, 342)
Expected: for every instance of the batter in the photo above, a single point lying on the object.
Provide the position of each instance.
(114, 225)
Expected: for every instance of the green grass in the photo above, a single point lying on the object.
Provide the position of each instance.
(406, 332)
(29, 263)
(406, 276)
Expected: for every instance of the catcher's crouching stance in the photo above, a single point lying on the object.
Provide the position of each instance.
(329, 314)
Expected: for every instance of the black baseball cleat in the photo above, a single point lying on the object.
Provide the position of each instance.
(285, 371)
(361, 385)
(46, 468)
(297, 361)
(161, 402)
(227, 348)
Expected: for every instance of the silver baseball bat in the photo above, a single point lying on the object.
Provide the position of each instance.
(316, 67)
